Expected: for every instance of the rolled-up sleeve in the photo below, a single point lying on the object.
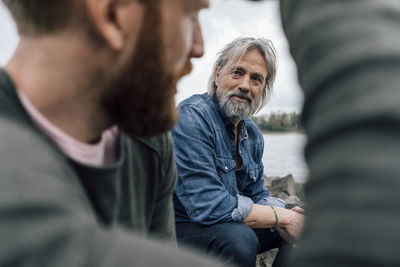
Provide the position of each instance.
(199, 189)
(272, 201)
(243, 209)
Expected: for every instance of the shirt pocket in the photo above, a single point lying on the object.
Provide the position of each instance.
(226, 173)
(251, 177)
(253, 172)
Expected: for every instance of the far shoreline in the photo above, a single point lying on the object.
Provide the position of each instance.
(283, 132)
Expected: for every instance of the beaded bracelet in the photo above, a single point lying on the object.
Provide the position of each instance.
(275, 228)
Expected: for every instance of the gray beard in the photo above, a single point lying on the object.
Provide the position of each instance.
(236, 111)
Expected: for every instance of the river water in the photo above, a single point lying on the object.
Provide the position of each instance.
(283, 154)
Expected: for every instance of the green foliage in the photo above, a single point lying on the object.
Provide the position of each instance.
(279, 122)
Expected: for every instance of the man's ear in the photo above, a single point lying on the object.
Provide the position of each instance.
(112, 18)
(216, 74)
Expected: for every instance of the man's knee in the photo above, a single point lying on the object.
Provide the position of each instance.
(239, 236)
(237, 242)
(232, 242)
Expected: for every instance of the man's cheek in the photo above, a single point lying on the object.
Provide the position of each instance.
(183, 40)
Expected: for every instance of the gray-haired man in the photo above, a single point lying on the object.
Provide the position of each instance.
(220, 196)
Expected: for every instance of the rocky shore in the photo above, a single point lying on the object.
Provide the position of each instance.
(286, 188)
(292, 193)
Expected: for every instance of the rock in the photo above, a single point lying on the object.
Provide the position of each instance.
(286, 189)
(266, 259)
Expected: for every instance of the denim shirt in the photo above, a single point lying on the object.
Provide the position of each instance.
(210, 189)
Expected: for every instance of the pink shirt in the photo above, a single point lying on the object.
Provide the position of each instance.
(100, 154)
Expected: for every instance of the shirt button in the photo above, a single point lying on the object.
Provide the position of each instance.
(240, 151)
(226, 168)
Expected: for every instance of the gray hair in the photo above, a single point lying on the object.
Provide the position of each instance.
(233, 53)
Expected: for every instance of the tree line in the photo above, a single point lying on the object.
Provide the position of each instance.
(279, 122)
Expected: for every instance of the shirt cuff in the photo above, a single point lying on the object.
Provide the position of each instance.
(272, 201)
(243, 209)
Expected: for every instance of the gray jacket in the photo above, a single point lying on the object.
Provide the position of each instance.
(348, 58)
(56, 212)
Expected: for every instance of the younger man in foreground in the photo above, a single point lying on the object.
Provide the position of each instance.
(85, 104)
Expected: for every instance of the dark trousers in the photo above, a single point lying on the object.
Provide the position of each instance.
(232, 242)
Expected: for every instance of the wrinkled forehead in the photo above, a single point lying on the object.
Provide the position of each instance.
(236, 59)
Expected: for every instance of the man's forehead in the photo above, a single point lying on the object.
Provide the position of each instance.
(252, 54)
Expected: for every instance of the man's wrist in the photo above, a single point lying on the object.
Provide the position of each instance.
(283, 216)
(275, 228)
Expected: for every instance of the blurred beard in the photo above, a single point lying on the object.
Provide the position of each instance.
(141, 96)
(235, 110)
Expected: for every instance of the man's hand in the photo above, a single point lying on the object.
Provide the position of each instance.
(294, 226)
(298, 209)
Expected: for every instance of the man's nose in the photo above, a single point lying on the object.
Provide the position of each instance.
(245, 84)
(198, 43)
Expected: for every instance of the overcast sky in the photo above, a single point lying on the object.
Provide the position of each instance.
(224, 21)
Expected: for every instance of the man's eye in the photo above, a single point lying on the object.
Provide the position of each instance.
(257, 79)
(236, 72)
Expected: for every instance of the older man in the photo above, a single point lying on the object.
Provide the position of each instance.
(220, 196)
(88, 85)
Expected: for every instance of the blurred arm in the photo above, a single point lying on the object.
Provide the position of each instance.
(348, 58)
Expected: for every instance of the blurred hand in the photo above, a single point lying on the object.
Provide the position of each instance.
(298, 209)
(285, 235)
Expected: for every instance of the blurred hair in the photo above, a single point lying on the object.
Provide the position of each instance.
(233, 53)
(48, 16)
(40, 16)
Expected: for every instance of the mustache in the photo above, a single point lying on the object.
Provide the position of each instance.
(241, 94)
